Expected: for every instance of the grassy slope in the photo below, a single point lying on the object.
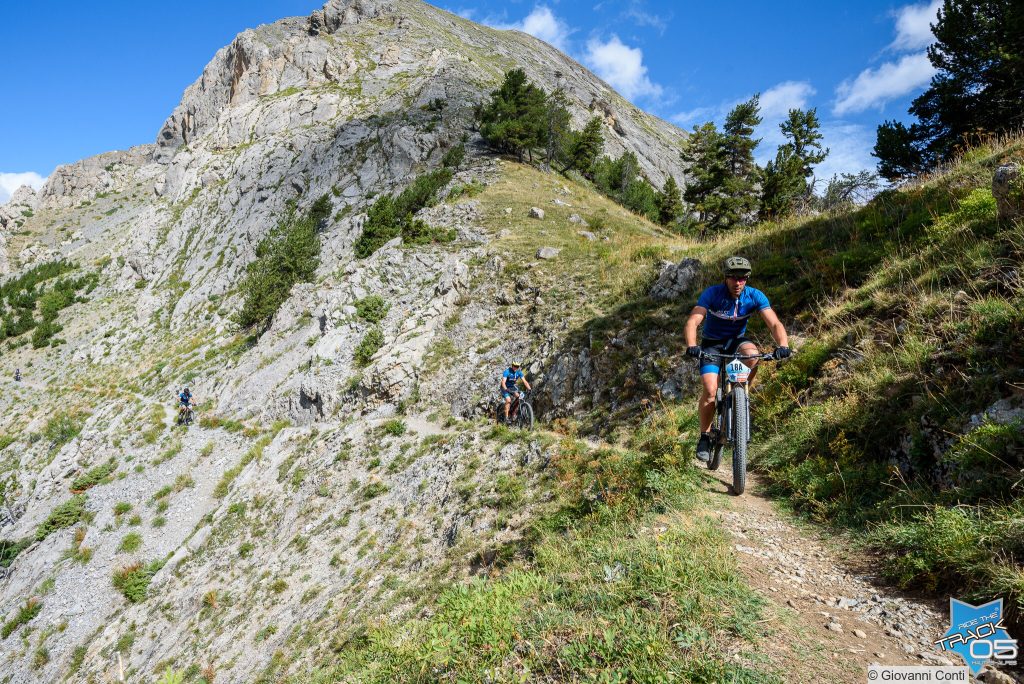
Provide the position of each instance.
(912, 307)
(622, 577)
(902, 309)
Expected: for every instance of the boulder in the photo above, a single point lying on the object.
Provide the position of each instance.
(536, 212)
(676, 280)
(1008, 189)
(578, 220)
(547, 252)
(587, 234)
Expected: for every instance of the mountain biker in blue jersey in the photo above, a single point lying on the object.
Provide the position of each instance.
(184, 399)
(510, 384)
(727, 307)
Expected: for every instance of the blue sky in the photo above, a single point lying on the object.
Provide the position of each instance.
(84, 78)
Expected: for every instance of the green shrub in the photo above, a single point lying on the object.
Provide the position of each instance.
(372, 308)
(373, 490)
(94, 476)
(454, 157)
(395, 428)
(25, 614)
(131, 542)
(133, 580)
(62, 428)
(65, 515)
(290, 254)
(77, 658)
(9, 550)
(390, 217)
(368, 346)
(122, 507)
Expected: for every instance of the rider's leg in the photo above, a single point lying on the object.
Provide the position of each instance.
(706, 403)
(750, 349)
(508, 404)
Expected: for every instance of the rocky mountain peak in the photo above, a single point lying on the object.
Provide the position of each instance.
(338, 13)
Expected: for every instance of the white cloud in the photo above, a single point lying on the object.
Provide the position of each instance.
(9, 182)
(913, 26)
(643, 18)
(697, 115)
(775, 104)
(849, 147)
(543, 24)
(779, 99)
(622, 67)
(874, 87)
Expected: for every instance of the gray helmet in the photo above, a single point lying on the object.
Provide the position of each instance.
(736, 265)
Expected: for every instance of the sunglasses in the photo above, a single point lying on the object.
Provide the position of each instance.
(738, 279)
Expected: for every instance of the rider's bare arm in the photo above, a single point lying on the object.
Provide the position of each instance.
(527, 383)
(775, 327)
(692, 323)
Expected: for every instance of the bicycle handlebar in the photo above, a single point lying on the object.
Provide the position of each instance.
(760, 357)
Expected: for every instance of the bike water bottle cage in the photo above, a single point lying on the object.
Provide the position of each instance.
(737, 371)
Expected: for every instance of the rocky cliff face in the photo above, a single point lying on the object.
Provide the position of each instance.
(313, 484)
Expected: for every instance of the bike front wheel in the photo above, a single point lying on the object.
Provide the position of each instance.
(740, 435)
(525, 417)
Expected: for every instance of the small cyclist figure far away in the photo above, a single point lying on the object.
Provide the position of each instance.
(727, 308)
(510, 384)
(185, 404)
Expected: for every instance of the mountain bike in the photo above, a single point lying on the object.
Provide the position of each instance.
(520, 412)
(732, 413)
(186, 415)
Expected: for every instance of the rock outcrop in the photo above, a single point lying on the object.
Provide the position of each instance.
(676, 280)
(1008, 189)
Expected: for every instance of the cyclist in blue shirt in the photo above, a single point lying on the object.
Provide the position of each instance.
(727, 308)
(184, 400)
(509, 384)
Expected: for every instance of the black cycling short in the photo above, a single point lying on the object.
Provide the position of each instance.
(720, 347)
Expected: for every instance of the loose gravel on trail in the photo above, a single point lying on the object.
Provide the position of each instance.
(829, 594)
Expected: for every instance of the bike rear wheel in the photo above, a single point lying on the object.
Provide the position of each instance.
(740, 435)
(525, 417)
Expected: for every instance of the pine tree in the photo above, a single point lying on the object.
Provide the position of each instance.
(670, 203)
(739, 143)
(978, 89)
(786, 178)
(705, 152)
(901, 151)
(513, 121)
(557, 132)
(741, 184)
(584, 148)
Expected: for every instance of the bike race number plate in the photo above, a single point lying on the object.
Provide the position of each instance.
(737, 371)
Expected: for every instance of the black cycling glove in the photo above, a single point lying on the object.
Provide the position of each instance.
(782, 353)
(693, 351)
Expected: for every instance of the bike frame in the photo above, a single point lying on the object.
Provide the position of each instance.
(723, 427)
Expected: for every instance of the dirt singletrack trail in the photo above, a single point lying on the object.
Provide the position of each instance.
(826, 593)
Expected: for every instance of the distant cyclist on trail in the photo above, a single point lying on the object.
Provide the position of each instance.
(510, 384)
(727, 307)
(17, 375)
(184, 400)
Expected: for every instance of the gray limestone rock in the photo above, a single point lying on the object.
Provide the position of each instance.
(1008, 189)
(547, 252)
(676, 280)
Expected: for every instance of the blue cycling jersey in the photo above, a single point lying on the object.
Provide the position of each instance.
(727, 317)
(511, 378)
